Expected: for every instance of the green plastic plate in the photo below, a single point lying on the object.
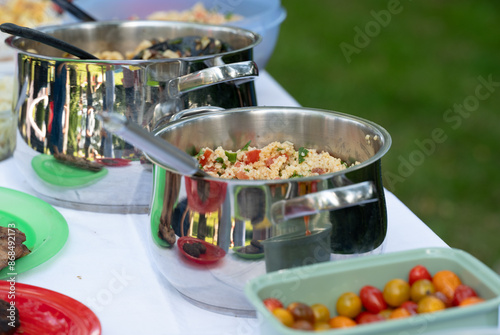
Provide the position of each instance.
(247, 256)
(325, 282)
(59, 174)
(45, 228)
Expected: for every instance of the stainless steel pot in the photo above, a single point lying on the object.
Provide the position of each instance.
(229, 214)
(58, 98)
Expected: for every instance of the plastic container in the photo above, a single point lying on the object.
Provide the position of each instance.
(7, 119)
(325, 282)
(263, 17)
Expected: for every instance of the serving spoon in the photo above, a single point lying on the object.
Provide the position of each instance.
(74, 10)
(166, 153)
(36, 35)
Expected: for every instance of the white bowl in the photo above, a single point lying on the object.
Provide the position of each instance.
(263, 17)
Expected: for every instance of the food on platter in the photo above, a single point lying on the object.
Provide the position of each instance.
(9, 318)
(194, 249)
(11, 245)
(254, 248)
(78, 162)
(277, 160)
(158, 48)
(198, 13)
(397, 299)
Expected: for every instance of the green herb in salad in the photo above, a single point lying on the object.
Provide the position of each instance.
(231, 156)
(302, 154)
(245, 147)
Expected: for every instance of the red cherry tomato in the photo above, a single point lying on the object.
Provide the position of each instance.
(204, 158)
(367, 317)
(410, 306)
(272, 303)
(418, 272)
(252, 156)
(372, 299)
(462, 292)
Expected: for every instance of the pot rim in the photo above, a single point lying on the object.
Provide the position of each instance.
(255, 37)
(386, 138)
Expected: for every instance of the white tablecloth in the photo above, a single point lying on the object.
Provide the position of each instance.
(105, 264)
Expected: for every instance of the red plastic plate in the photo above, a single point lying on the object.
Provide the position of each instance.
(113, 162)
(43, 311)
(213, 254)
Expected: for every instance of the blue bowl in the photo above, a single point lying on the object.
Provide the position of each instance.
(263, 17)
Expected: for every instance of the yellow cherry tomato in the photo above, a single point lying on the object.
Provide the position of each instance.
(430, 304)
(420, 289)
(284, 316)
(396, 291)
(321, 313)
(349, 304)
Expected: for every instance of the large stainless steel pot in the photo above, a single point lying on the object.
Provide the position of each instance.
(59, 96)
(231, 213)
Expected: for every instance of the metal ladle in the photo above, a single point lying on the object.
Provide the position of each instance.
(74, 10)
(36, 35)
(154, 146)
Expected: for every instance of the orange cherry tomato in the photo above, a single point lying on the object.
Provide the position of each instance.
(446, 281)
(420, 289)
(396, 291)
(430, 304)
(399, 312)
(349, 304)
(470, 301)
(284, 316)
(321, 313)
(341, 322)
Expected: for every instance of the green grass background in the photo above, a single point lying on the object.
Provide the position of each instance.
(426, 60)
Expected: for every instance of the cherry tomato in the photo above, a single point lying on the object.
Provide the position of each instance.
(284, 316)
(272, 303)
(321, 313)
(385, 313)
(302, 325)
(349, 304)
(319, 326)
(203, 159)
(341, 322)
(443, 298)
(301, 311)
(252, 156)
(411, 306)
(462, 292)
(396, 291)
(372, 299)
(420, 289)
(399, 312)
(430, 304)
(470, 301)
(367, 317)
(418, 272)
(446, 281)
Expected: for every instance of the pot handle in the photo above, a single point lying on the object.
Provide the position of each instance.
(327, 200)
(241, 71)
